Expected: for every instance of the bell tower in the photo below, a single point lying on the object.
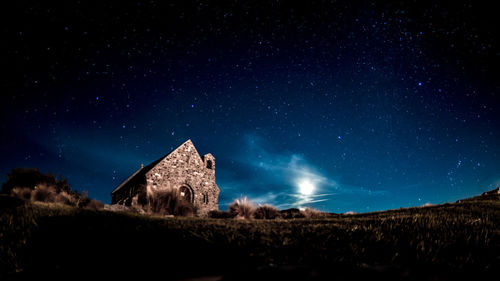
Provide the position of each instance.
(209, 162)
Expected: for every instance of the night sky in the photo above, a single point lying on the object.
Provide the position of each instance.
(338, 105)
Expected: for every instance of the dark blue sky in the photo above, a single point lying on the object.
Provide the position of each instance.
(372, 105)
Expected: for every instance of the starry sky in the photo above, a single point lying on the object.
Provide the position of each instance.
(337, 105)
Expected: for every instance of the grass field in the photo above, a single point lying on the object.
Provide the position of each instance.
(445, 242)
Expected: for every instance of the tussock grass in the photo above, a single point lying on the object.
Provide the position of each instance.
(169, 202)
(242, 208)
(442, 242)
(31, 184)
(51, 194)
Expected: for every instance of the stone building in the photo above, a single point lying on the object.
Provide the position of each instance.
(182, 169)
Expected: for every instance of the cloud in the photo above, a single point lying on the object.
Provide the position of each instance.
(267, 175)
(274, 177)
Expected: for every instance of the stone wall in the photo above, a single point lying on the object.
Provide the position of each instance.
(185, 167)
(182, 169)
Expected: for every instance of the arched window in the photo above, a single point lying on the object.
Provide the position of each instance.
(186, 193)
(209, 164)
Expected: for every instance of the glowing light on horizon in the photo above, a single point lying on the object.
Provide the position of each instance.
(306, 186)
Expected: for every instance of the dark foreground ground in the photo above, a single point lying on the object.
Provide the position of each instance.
(446, 242)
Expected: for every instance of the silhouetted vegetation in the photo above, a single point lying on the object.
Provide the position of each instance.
(93, 204)
(443, 242)
(31, 178)
(220, 215)
(31, 184)
(21, 192)
(169, 202)
(266, 212)
(292, 213)
(313, 213)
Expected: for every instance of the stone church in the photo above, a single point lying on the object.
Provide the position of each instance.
(182, 169)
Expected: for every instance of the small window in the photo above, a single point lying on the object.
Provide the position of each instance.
(205, 198)
(209, 164)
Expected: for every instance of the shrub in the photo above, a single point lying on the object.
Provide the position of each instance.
(65, 198)
(28, 177)
(313, 213)
(266, 212)
(169, 202)
(292, 213)
(242, 208)
(21, 192)
(220, 215)
(44, 193)
(82, 200)
(94, 205)
(50, 194)
(31, 184)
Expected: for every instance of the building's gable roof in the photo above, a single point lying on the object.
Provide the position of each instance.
(143, 170)
(139, 173)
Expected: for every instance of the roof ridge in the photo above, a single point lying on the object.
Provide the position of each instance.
(127, 180)
(154, 163)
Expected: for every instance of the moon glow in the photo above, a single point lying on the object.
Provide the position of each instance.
(306, 187)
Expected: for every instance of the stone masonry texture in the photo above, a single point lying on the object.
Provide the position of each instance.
(183, 170)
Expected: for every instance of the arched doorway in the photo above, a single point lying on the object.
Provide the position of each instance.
(186, 193)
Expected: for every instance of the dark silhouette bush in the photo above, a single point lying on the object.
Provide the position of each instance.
(313, 213)
(94, 205)
(66, 199)
(266, 212)
(220, 215)
(292, 213)
(31, 184)
(30, 177)
(44, 193)
(22, 192)
(49, 194)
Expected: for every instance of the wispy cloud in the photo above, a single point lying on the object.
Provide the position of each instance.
(285, 179)
(275, 177)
